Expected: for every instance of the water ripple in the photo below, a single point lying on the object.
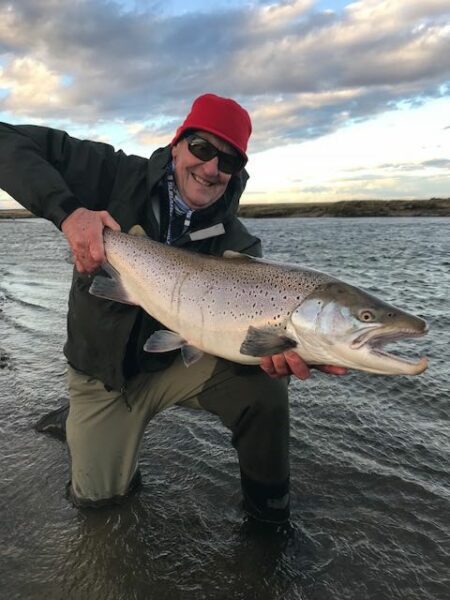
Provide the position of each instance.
(369, 454)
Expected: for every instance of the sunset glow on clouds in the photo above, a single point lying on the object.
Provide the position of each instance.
(348, 100)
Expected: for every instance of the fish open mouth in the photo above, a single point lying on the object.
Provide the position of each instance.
(375, 341)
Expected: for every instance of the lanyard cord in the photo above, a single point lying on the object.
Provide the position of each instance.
(176, 207)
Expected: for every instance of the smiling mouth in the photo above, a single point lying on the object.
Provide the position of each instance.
(202, 181)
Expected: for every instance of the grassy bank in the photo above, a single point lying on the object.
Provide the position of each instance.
(435, 207)
(15, 213)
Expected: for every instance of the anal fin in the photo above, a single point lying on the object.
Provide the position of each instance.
(191, 354)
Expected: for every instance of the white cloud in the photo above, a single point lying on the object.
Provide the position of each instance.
(31, 86)
(360, 161)
(273, 16)
(148, 137)
(306, 76)
(134, 65)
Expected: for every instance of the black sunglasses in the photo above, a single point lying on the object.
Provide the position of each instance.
(205, 151)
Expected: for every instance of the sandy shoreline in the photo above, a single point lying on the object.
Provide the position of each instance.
(434, 207)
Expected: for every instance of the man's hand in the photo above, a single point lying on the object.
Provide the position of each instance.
(290, 363)
(84, 232)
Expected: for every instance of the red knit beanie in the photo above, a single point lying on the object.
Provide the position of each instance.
(222, 117)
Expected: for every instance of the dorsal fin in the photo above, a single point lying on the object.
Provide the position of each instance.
(233, 254)
(137, 230)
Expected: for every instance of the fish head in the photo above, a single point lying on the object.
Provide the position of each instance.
(343, 325)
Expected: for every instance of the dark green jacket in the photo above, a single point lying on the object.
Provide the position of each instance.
(52, 174)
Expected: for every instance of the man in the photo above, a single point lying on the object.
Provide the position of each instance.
(187, 194)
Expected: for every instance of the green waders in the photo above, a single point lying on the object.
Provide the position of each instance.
(105, 429)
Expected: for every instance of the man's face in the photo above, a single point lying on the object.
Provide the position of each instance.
(200, 183)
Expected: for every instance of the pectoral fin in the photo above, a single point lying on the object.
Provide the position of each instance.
(265, 342)
(111, 288)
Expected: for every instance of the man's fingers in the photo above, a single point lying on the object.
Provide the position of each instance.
(281, 366)
(89, 253)
(84, 232)
(290, 363)
(275, 366)
(267, 366)
(97, 249)
(331, 369)
(297, 365)
(85, 264)
(79, 266)
(108, 221)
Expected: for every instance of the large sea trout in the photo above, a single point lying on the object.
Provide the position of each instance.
(241, 308)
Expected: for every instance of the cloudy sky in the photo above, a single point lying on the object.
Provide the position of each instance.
(348, 99)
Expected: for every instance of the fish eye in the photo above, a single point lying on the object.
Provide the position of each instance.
(366, 315)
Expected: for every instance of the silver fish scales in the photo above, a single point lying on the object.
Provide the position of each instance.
(240, 308)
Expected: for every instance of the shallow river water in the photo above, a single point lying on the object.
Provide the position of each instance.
(369, 453)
